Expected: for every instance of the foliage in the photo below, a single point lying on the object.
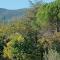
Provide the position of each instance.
(33, 37)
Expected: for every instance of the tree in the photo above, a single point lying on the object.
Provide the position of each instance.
(48, 15)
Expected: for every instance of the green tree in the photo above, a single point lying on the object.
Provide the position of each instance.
(48, 14)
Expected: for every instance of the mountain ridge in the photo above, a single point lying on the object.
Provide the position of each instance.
(6, 14)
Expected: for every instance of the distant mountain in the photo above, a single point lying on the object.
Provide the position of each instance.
(6, 14)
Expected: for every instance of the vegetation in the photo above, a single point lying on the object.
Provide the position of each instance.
(34, 37)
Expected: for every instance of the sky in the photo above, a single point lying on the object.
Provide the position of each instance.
(14, 4)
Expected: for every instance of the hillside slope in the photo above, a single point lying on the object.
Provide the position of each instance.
(6, 14)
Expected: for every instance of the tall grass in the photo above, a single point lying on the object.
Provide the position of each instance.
(52, 55)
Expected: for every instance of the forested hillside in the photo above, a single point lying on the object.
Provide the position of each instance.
(7, 15)
(34, 37)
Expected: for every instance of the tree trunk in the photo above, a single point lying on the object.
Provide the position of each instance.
(58, 24)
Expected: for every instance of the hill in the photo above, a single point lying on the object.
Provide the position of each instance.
(6, 14)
